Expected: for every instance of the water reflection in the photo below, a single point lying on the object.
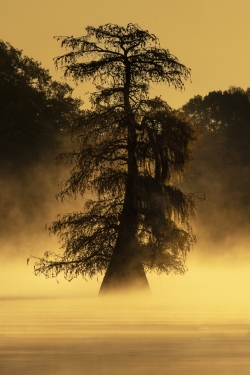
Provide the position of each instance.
(64, 337)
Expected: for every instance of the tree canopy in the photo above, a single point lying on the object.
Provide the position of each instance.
(34, 109)
(222, 162)
(130, 151)
(35, 113)
(225, 115)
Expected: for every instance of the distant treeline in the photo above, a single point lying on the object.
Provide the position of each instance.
(34, 110)
(35, 117)
(222, 164)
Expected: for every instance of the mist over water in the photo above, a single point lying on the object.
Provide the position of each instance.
(96, 336)
(197, 323)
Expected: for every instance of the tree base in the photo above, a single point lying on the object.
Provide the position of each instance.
(124, 277)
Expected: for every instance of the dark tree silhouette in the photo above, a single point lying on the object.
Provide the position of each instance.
(34, 109)
(35, 112)
(225, 115)
(129, 152)
(222, 163)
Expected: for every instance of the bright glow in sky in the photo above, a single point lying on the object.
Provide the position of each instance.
(209, 36)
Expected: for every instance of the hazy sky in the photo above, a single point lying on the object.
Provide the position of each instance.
(209, 36)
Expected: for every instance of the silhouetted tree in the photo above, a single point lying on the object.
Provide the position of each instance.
(34, 109)
(35, 112)
(222, 161)
(129, 152)
(225, 115)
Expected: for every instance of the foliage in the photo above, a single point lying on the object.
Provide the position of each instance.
(222, 162)
(224, 116)
(34, 109)
(129, 151)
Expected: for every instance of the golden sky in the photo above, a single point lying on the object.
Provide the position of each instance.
(209, 36)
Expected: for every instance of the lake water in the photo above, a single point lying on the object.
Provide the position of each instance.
(100, 337)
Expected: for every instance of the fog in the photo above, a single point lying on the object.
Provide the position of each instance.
(135, 336)
(217, 264)
(197, 323)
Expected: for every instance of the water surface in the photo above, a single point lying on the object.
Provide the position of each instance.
(95, 337)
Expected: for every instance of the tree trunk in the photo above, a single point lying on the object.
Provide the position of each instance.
(125, 274)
